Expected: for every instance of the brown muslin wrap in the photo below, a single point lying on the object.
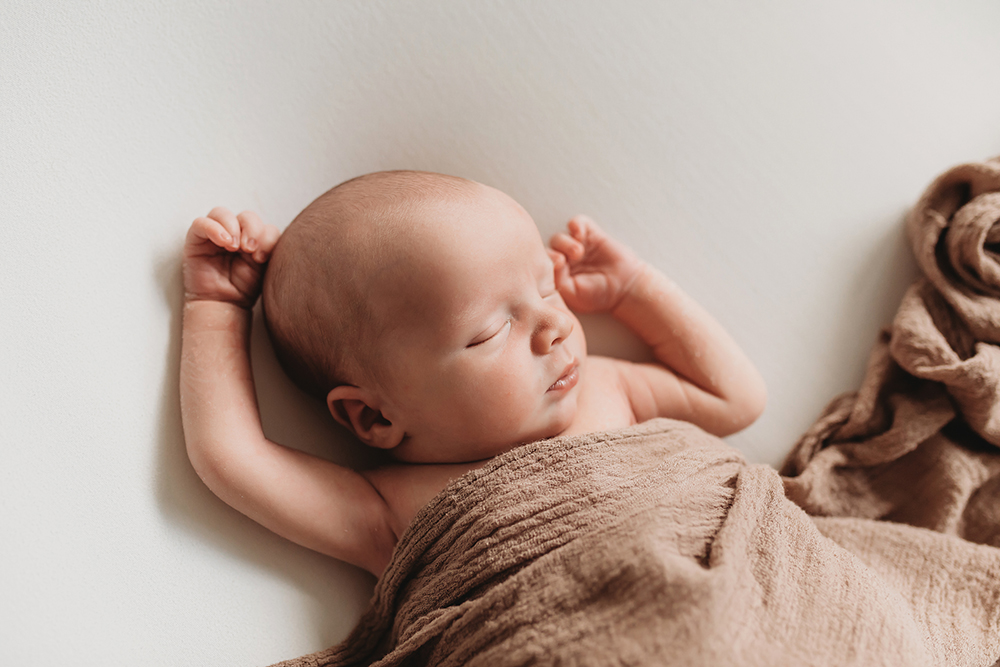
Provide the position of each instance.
(658, 544)
(917, 443)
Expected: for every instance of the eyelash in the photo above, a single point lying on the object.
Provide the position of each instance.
(492, 336)
(552, 292)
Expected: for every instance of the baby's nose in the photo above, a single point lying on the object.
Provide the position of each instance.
(554, 326)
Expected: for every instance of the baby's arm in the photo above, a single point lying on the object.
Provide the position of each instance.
(308, 500)
(703, 377)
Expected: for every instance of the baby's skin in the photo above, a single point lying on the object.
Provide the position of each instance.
(484, 353)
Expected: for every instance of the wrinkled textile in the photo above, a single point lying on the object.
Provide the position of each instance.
(659, 545)
(917, 443)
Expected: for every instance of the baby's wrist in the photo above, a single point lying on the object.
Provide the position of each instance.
(209, 314)
(192, 298)
(638, 288)
(640, 272)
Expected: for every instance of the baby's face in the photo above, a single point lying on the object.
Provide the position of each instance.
(483, 354)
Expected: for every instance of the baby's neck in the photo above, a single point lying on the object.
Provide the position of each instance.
(407, 487)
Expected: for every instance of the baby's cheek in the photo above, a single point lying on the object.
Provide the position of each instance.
(494, 387)
(504, 394)
(473, 384)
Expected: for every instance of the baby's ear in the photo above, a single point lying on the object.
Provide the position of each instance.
(358, 410)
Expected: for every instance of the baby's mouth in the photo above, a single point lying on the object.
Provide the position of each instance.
(568, 380)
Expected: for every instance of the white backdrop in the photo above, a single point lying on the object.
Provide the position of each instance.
(763, 154)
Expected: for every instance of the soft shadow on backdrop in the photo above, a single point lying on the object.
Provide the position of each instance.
(288, 416)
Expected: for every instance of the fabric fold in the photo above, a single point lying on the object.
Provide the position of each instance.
(917, 442)
(658, 545)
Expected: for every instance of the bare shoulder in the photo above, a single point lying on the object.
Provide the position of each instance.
(406, 487)
(642, 386)
(605, 374)
(603, 402)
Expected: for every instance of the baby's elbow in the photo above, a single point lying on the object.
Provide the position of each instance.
(209, 468)
(747, 408)
(740, 408)
(756, 405)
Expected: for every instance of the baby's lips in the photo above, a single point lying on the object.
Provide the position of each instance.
(568, 379)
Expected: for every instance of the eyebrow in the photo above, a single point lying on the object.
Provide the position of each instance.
(472, 316)
(548, 270)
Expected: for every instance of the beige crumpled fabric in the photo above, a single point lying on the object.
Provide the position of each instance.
(659, 545)
(917, 443)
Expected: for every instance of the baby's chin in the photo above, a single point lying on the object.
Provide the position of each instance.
(564, 421)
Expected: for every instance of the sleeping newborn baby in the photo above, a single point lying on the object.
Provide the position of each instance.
(427, 313)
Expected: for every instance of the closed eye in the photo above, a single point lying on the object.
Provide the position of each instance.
(491, 336)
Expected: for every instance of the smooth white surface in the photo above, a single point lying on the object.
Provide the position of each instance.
(763, 154)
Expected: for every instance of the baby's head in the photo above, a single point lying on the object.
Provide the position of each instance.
(423, 309)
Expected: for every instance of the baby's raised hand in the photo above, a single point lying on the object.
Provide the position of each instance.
(593, 271)
(224, 257)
